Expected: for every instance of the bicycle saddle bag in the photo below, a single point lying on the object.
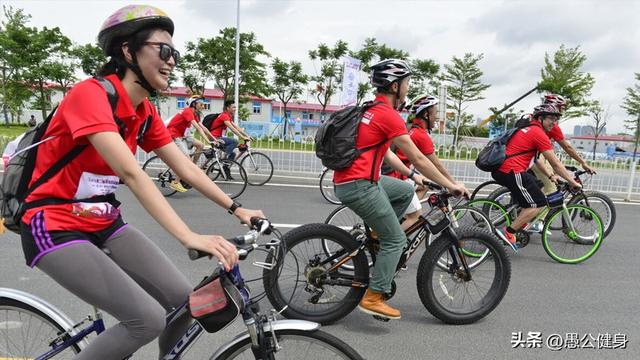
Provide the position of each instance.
(215, 302)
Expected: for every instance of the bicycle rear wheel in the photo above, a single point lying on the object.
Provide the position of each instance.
(307, 279)
(578, 236)
(160, 174)
(259, 168)
(349, 221)
(229, 176)
(25, 332)
(295, 344)
(327, 188)
(456, 296)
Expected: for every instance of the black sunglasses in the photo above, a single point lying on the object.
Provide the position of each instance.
(166, 51)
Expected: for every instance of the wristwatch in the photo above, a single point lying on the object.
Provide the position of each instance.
(412, 173)
(234, 207)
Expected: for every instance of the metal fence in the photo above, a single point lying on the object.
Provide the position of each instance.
(614, 176)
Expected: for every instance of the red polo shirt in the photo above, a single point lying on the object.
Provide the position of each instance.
(531, 138)
(380, 123)
(84, 111)
(218, 128)
(421, 139)
(181, 121)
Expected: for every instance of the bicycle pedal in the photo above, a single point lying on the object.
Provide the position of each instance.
(380, 318)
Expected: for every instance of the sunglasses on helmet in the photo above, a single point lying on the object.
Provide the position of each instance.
(166, 51)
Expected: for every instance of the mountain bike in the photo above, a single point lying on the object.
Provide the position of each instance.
(258, 165)
(571, 232)
(601, 203)
(322, 271)
(31, 328)
(327, 188)
(229, 175)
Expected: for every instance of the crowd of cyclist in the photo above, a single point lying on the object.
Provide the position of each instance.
(66, 239)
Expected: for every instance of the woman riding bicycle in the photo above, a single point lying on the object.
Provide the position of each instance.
(381, 200)
(84, 244)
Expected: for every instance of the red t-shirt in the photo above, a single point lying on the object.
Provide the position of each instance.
(218, 128)
(84, 111)
(556, 133)
(181, 121)
(423, 142)
(380, 123)
(530, 138)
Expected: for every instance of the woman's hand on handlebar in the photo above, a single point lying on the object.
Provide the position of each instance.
(217, 246)
(589, 169)
(245, 215)
(458, 189)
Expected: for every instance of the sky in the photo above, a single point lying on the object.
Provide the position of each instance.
(513, 35)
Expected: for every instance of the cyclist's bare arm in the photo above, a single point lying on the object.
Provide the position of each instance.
(426, 168)
(236, 130)
(438, 164)
(542, 169)
(566, 146)
(558, 167)
(204, 132)
(118, 156)
(396, 164)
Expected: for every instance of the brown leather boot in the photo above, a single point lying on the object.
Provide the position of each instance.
(373, 303)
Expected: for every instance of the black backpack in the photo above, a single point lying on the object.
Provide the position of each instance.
(17, 175)
(493, 155)
(336, 137)
(209, 119)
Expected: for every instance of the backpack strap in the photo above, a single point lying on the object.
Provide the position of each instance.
(68, 157)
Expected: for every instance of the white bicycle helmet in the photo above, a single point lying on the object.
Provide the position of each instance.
(388, 71)
(194, 99)
(422, 102)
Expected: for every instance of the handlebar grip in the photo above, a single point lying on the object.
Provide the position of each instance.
(432, 185)
(196, 254)
(571, 168)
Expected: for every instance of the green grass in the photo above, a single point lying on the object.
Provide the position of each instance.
(12, 131)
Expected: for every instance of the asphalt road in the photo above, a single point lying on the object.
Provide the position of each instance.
(592, 300)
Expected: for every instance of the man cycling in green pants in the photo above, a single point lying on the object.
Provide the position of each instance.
(381, 200)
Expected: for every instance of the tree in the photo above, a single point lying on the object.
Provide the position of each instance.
(15, 37)
(91, 58)
(504, 120)
(214, 59)
(631, 104)
(599, 117)
(372, 51)
(562, 76)
(328, 79)
(424, 78)
(288, 81)
(463, 86)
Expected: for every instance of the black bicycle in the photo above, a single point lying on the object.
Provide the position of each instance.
(322, 271)
(31, 328)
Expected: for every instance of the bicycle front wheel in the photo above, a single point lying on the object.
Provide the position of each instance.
(229, 176)
(295, 344)
(485, 187)
(25, 332)
(457, 295)
(602, 205)
(160, 174)
(259, 168)
(327, 188)
(573, 234)
(316, 284)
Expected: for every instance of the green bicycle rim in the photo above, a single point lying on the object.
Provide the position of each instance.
(596, 245)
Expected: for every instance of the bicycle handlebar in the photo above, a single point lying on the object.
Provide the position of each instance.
(244, 243)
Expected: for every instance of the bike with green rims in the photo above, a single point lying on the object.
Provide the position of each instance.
(571, 232)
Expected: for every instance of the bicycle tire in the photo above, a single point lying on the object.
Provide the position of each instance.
(327, 188)
(326, 346)
(433, 293)
(479, 187)
(23, 311)
(349, 221)
(608, 216)
(309, 297)
(160, 174)
(574, 240)
(232, 184)
(260, 171)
